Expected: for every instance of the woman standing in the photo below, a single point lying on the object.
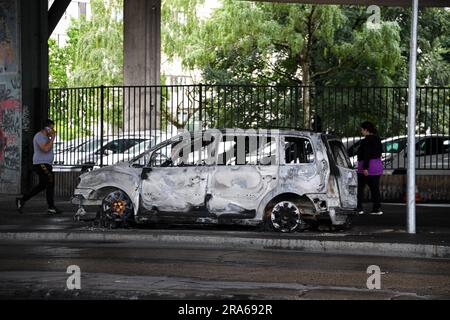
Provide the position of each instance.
(370, 167)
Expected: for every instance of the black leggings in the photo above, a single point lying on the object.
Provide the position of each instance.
(46, 182)
(374, 185)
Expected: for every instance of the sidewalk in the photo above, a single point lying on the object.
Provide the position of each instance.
(371, 235)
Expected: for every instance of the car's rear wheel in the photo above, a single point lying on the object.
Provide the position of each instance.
(285, 216)
(117, 209)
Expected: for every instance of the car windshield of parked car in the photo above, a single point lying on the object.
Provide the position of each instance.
(89, 146)
(432, 145)
(120, 145)
(394, 146)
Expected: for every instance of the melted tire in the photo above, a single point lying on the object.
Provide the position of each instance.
(116, 210)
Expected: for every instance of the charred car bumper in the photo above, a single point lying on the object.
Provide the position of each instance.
(82, 197)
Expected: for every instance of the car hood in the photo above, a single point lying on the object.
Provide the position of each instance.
(106, 175)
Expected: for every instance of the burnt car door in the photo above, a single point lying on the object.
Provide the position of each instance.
(345, 175)
(299, 170)
(246, 170)
(175, 179)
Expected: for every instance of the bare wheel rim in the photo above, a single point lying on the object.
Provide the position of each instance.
(117, 205)
(285, 216)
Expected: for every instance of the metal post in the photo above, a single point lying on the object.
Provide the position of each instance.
(102, 118)
(200, 107)
(411, 178)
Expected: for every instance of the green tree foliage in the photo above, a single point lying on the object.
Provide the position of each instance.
(276, 47)
(273, 43)
(324, 48)
(98, 55)
(57, 65)
(62, 59)
(92, 56)
(433, 64)
(284, 45)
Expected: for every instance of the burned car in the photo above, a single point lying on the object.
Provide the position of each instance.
(281, 179)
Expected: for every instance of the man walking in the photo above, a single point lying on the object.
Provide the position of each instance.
(42, 165)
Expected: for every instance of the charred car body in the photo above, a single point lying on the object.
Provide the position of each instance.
(283, 179)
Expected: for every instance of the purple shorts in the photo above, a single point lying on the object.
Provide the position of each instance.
(375, 167)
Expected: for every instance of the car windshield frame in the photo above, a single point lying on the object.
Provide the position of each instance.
(151, 149)
(138, 147)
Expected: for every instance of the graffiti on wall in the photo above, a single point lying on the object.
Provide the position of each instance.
(8, 37)
(10, 100)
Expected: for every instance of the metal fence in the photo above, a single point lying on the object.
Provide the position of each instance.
(106, 124)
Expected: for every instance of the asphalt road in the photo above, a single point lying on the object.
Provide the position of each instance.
(135, 270)
(34, 217)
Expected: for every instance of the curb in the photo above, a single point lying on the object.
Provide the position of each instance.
(404, 250)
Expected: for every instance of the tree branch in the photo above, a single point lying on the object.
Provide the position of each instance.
(310, 32)
(282, 73)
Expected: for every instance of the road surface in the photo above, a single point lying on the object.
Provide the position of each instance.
(136, 270)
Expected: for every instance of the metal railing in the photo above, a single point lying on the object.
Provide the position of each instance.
(101, 125)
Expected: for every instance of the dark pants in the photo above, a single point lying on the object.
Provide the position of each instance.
(374, 186)
(46, 182)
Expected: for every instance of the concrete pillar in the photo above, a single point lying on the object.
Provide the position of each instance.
(34, 61)
(142, 60)
(10, 98)
(23, 88)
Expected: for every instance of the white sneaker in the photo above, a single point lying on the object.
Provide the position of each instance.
(53, 211)
(376, 213)
(360, 212)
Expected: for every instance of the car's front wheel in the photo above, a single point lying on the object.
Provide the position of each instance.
(117, 209)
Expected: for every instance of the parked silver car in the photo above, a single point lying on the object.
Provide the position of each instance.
(432, 152)
(130, 153)
(97, 148)
(285, 180)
